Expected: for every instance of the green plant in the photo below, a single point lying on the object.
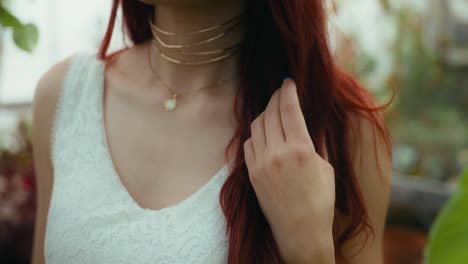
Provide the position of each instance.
(25, 36)
(448, 238)
(428, 112)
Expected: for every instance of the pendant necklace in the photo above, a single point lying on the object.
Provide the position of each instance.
(170, 104)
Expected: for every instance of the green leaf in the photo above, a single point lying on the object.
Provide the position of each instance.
(7, 19)
(26, 37)
(448, 238)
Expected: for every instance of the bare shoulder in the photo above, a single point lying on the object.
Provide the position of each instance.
(369, 141)
(45, 99)
(46, 96)
(48, 89)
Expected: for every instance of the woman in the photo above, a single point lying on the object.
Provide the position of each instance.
(138, 138)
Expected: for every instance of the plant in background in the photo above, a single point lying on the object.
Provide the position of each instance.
(427, 116)
(25, 36)
(17, 198)
(448, 238)
(429, 111)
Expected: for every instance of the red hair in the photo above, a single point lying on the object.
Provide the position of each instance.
(283, 38)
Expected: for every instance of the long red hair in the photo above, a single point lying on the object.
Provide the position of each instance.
(283, 38)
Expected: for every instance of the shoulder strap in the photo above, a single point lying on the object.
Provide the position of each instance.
(80, 76)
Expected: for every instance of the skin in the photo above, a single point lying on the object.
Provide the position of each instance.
(299, 209)
(294, 185)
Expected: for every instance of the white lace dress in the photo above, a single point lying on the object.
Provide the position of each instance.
(92, 218)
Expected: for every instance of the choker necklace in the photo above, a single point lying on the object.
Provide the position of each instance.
(231, 52)
(237, 18)
(169, 46)
(207, 35)
(170, 104)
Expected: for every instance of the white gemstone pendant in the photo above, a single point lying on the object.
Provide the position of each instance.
(170, 104)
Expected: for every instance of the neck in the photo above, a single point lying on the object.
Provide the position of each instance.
(184, 18)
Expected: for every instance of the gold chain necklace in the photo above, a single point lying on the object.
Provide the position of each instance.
(198, 43)
(181, 49)
(170, 104)
(237, 18)
(230, 51)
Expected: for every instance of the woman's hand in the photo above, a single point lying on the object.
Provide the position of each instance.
(294, 185)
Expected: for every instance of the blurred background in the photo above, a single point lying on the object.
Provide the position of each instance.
(418, 48)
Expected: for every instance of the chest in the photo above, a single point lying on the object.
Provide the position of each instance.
(160, 157)
(93, 219)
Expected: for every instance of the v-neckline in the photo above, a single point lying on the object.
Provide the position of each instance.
(223, 171)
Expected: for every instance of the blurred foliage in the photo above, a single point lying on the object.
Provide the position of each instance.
(429, 111)
(17, 198)
(25, 36)
(448, 239)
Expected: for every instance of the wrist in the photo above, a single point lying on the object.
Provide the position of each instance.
(319, 250)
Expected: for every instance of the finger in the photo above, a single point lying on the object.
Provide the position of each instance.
(294, 125)
(273, 127)
(249, 154)
(258, 134)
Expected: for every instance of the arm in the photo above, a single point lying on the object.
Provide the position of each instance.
(370, 155)
(373, 171)
(44, 105)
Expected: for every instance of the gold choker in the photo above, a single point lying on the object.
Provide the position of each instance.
(237, 18)
(199, 56)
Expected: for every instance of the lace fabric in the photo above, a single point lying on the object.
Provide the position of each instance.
(92, 218)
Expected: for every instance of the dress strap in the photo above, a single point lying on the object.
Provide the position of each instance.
(72, 98)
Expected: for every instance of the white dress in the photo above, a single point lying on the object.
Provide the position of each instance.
(92, 218)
